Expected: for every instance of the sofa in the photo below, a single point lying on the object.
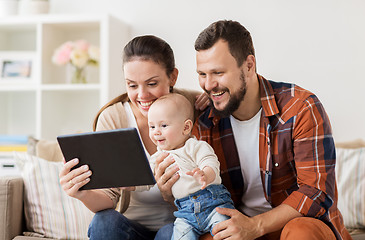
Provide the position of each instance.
(62, 217)
(33, 205)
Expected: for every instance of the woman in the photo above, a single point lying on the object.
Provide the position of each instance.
(149, 70)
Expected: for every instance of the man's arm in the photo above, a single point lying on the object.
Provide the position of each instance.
(239, 226)
(315, 159)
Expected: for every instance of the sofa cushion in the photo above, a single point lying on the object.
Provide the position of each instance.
(30, 238)
(49, 212)
(350, 176)
(49, 150)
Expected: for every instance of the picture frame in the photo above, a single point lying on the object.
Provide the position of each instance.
(17, 67)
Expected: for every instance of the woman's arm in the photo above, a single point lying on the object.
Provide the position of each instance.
(198, 99)
(120, 99)
(111, 116)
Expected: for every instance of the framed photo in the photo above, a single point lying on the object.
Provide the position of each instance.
(16, 66)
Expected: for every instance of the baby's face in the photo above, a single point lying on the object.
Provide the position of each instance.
(166, 127)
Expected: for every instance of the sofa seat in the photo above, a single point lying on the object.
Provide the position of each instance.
(30, 238)
(357, 234)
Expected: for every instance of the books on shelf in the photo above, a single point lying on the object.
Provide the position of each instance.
(10, 143)
(11, 148)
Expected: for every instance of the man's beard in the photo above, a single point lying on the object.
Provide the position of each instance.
(234, 101)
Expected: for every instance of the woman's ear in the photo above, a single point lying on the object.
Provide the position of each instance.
(173, 77)
(188, 125)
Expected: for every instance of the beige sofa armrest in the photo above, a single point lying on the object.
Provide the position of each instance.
(358, 143)
(11, 206)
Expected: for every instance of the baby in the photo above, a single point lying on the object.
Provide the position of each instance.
(199, 190)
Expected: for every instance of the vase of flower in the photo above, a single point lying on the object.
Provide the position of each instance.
(78, 55)
(78, 75)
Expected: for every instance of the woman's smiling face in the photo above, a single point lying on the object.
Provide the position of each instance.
(146, 81)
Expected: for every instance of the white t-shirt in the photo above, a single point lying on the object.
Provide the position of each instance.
(246, 136)
(148, 208)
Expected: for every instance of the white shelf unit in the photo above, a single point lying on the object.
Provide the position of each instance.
(46, 105)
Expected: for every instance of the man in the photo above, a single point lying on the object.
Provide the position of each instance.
(274, 143)
(273, 140)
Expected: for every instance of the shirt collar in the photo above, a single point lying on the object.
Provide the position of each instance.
(268, 103)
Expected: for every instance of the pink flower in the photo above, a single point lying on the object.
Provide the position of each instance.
(78, 53)
(63, 53)
(82, 45)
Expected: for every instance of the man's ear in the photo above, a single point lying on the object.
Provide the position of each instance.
(250, 64)
(188, 125)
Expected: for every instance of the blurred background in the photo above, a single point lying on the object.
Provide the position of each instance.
(318, 45)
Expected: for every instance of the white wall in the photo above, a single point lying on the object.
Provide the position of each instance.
(317, 44)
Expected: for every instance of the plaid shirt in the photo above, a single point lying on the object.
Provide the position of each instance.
(297, 153)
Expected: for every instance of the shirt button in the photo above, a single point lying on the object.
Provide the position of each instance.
(276, 164)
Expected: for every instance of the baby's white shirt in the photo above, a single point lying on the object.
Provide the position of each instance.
(193, 154)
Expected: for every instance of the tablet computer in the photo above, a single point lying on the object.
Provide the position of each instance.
(115, 157)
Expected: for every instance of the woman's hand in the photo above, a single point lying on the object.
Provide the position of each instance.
(72, 180)
(202, 101)
(165, 180)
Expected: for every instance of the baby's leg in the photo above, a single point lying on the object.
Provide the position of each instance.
(183, 230)
(215, 217)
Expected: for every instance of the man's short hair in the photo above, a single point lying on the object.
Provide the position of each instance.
(238, 38)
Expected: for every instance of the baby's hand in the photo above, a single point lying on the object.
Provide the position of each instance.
(199, 176)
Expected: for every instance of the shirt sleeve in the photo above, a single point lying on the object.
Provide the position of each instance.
(314, 156)
(113, 117)
(204, 155)
(143, 188)
(113, 193)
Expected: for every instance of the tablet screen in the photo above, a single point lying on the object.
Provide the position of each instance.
(115, 157)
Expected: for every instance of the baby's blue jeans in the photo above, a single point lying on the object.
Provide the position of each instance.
(196, 213)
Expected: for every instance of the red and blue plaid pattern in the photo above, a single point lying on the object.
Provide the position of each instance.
(297, 153)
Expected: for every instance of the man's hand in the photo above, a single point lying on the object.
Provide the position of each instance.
(237, 228)
(165, 180)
